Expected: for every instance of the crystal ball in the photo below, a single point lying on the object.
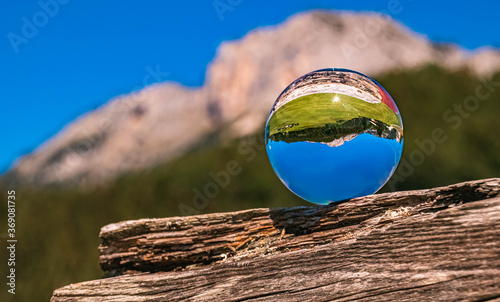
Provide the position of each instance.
(334, 134)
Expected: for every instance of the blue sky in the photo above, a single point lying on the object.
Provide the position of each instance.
(62, 58)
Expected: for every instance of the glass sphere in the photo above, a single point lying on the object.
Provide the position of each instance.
(334, 134)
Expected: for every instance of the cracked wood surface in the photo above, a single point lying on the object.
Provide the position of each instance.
(436, 244)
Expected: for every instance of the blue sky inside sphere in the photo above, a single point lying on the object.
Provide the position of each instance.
(62, 58)
(322, 174)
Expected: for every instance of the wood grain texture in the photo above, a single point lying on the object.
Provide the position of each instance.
(438, 244)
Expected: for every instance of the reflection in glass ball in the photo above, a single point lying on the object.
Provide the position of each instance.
(334, 134)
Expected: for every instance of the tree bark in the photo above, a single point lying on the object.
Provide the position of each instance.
(436, 244)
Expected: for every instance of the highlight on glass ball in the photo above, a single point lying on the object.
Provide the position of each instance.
(334, 134)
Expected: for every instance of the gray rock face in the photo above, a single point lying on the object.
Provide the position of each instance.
(162, 121)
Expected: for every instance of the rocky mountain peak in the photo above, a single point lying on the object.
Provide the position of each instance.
(160, 122)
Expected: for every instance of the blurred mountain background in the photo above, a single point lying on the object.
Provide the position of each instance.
(161, 122)
(169, 150)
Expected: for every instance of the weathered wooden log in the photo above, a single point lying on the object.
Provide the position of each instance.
(436, 244)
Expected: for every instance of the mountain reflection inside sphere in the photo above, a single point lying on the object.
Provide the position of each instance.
(326, 146)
